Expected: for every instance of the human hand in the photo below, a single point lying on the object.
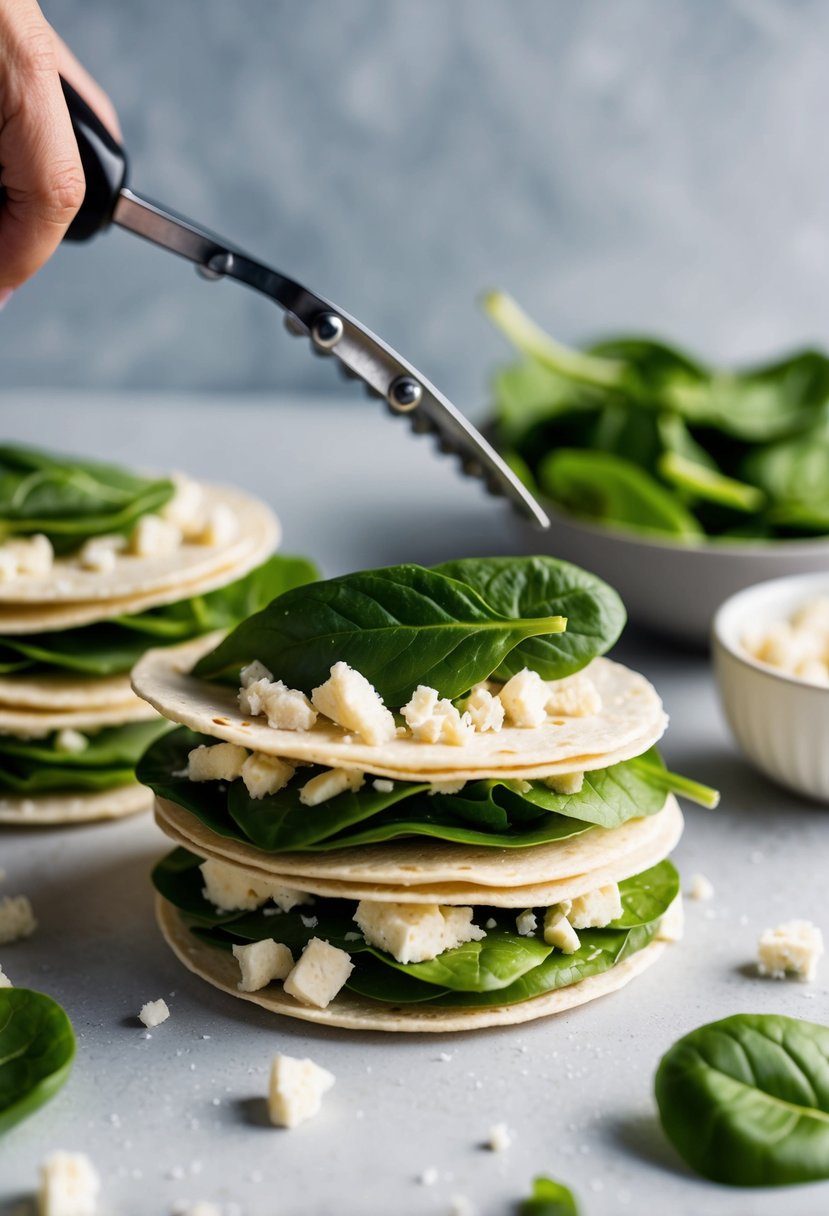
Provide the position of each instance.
(41, 168)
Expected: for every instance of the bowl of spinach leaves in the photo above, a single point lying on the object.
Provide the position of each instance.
(678, 483)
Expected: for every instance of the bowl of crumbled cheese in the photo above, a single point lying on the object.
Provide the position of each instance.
(771, 658)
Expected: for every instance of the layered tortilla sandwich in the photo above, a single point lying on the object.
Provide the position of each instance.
(97, 564)
(416, 799)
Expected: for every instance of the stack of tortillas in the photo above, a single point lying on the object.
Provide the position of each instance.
(511, 894)
(50, 710)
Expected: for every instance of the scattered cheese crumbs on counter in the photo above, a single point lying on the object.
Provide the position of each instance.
(154, 1013)
(296, 1090)
(461, 1206)
(351, 701)
(500, 1138)
(17, 920)
(700, 887)
(429, 1176)
(798, 646)
(415, 933)
(264, 775)
(71, 741)
(526, 923)
(524, 698)
(69, 1186)
(262, 961)
(153, 536)
(558, 931)
(565, 783)
(319, 974)
(233, 890)
(793, 948)
(5, 982)
(216, 762)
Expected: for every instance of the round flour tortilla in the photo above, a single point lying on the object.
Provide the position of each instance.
(63, 692)
(68, 582)
(36, 723)
(427, 871)
(351, 1012)
(631, 720)
(50, 810)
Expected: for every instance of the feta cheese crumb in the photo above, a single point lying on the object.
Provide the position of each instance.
(492, 923)
(17, 919)
(565, 783)
(31, 556)
(220, 526)
(153, 536)
(500, 1138)
(260, 962)
(100, 553)
(232, 889)
(429, 1176)
(285, 708)
(319, 974)
(69, 1186)
(575, 696)
(700, 887)
(154, 1013)
(415, 933)
(71, 741)
(216, 762)
(524, 698)
(597, 908)
(296, 1090)
(558, 931)
(526, 923)
(253, 672)
(351, 701)
(329, 784)
(5, 982)
(485, 711)
(382, 786)
(446, 787)
(672, 926)
(793, 948)
(265, 775)
(799, 645)
(461, 1206)
(434, 719)
(186, 508)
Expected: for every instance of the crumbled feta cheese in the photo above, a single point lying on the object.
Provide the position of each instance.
(575, 696)
(565, 783)
(154, 1013)
(429, 1176)
(446, 787)
(69, 1186)
(700, 887)
(500, 1138)
(296, 1090)
(382, 786)
(253, 672)
(415, 933)
(17, 919)
(524, 698)
(558, 931)
(218, 762)
(100, 553)
(220, 526)
(434, 719)
(348, 699)
(234, 890)
(672, 925)
(153, 536)
(31, 556)
(310, 922)
(72, 741)
(492, 923)
(353, 937)
(798, 646)
(792, 948)
(597, 908)
(461, 1206)
(8, 564)
(485, 711)
(329, 784)
(5, 982)
(285, 708)
(251, 696)
(186, 508)
(526, 923)
(260, 962)
(264, 774)
(319, 974)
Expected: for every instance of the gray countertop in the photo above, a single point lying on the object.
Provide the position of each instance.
(179, 1115)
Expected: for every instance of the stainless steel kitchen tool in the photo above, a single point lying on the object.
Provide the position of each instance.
(360, 353)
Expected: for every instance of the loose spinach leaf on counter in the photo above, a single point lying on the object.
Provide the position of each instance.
(549, 1198)
(636, 434)
(745, 1100)
(32, 766)
(400, 626)
(69, 499)
(114, 646)
(37, 1046)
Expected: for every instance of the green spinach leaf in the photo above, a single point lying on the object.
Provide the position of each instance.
(745, 1100)
(549, 1198)
(36, 766)
(37, 1046)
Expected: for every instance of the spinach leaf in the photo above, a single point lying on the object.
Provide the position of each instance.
(70, 499)
(400, 626)
(37, 1046)
(489, 965)
(35, 766)
(114, 646)
(647, 896)
(549, 1198)
(745, 1100)
(523, 587)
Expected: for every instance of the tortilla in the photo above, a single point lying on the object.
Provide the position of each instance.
(136, 578)
(631, 721)
(66, 691)
(49, 810)
(351, 1012)
(428, 871)
(35, 723)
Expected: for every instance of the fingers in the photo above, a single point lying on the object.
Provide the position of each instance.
(41, 168)
(89, 89)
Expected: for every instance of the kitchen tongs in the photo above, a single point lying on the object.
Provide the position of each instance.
(361, 354)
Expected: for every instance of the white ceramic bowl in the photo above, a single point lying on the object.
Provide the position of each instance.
(672, 588)
(781, 723)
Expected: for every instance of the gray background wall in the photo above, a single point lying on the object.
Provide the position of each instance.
(616, 164)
